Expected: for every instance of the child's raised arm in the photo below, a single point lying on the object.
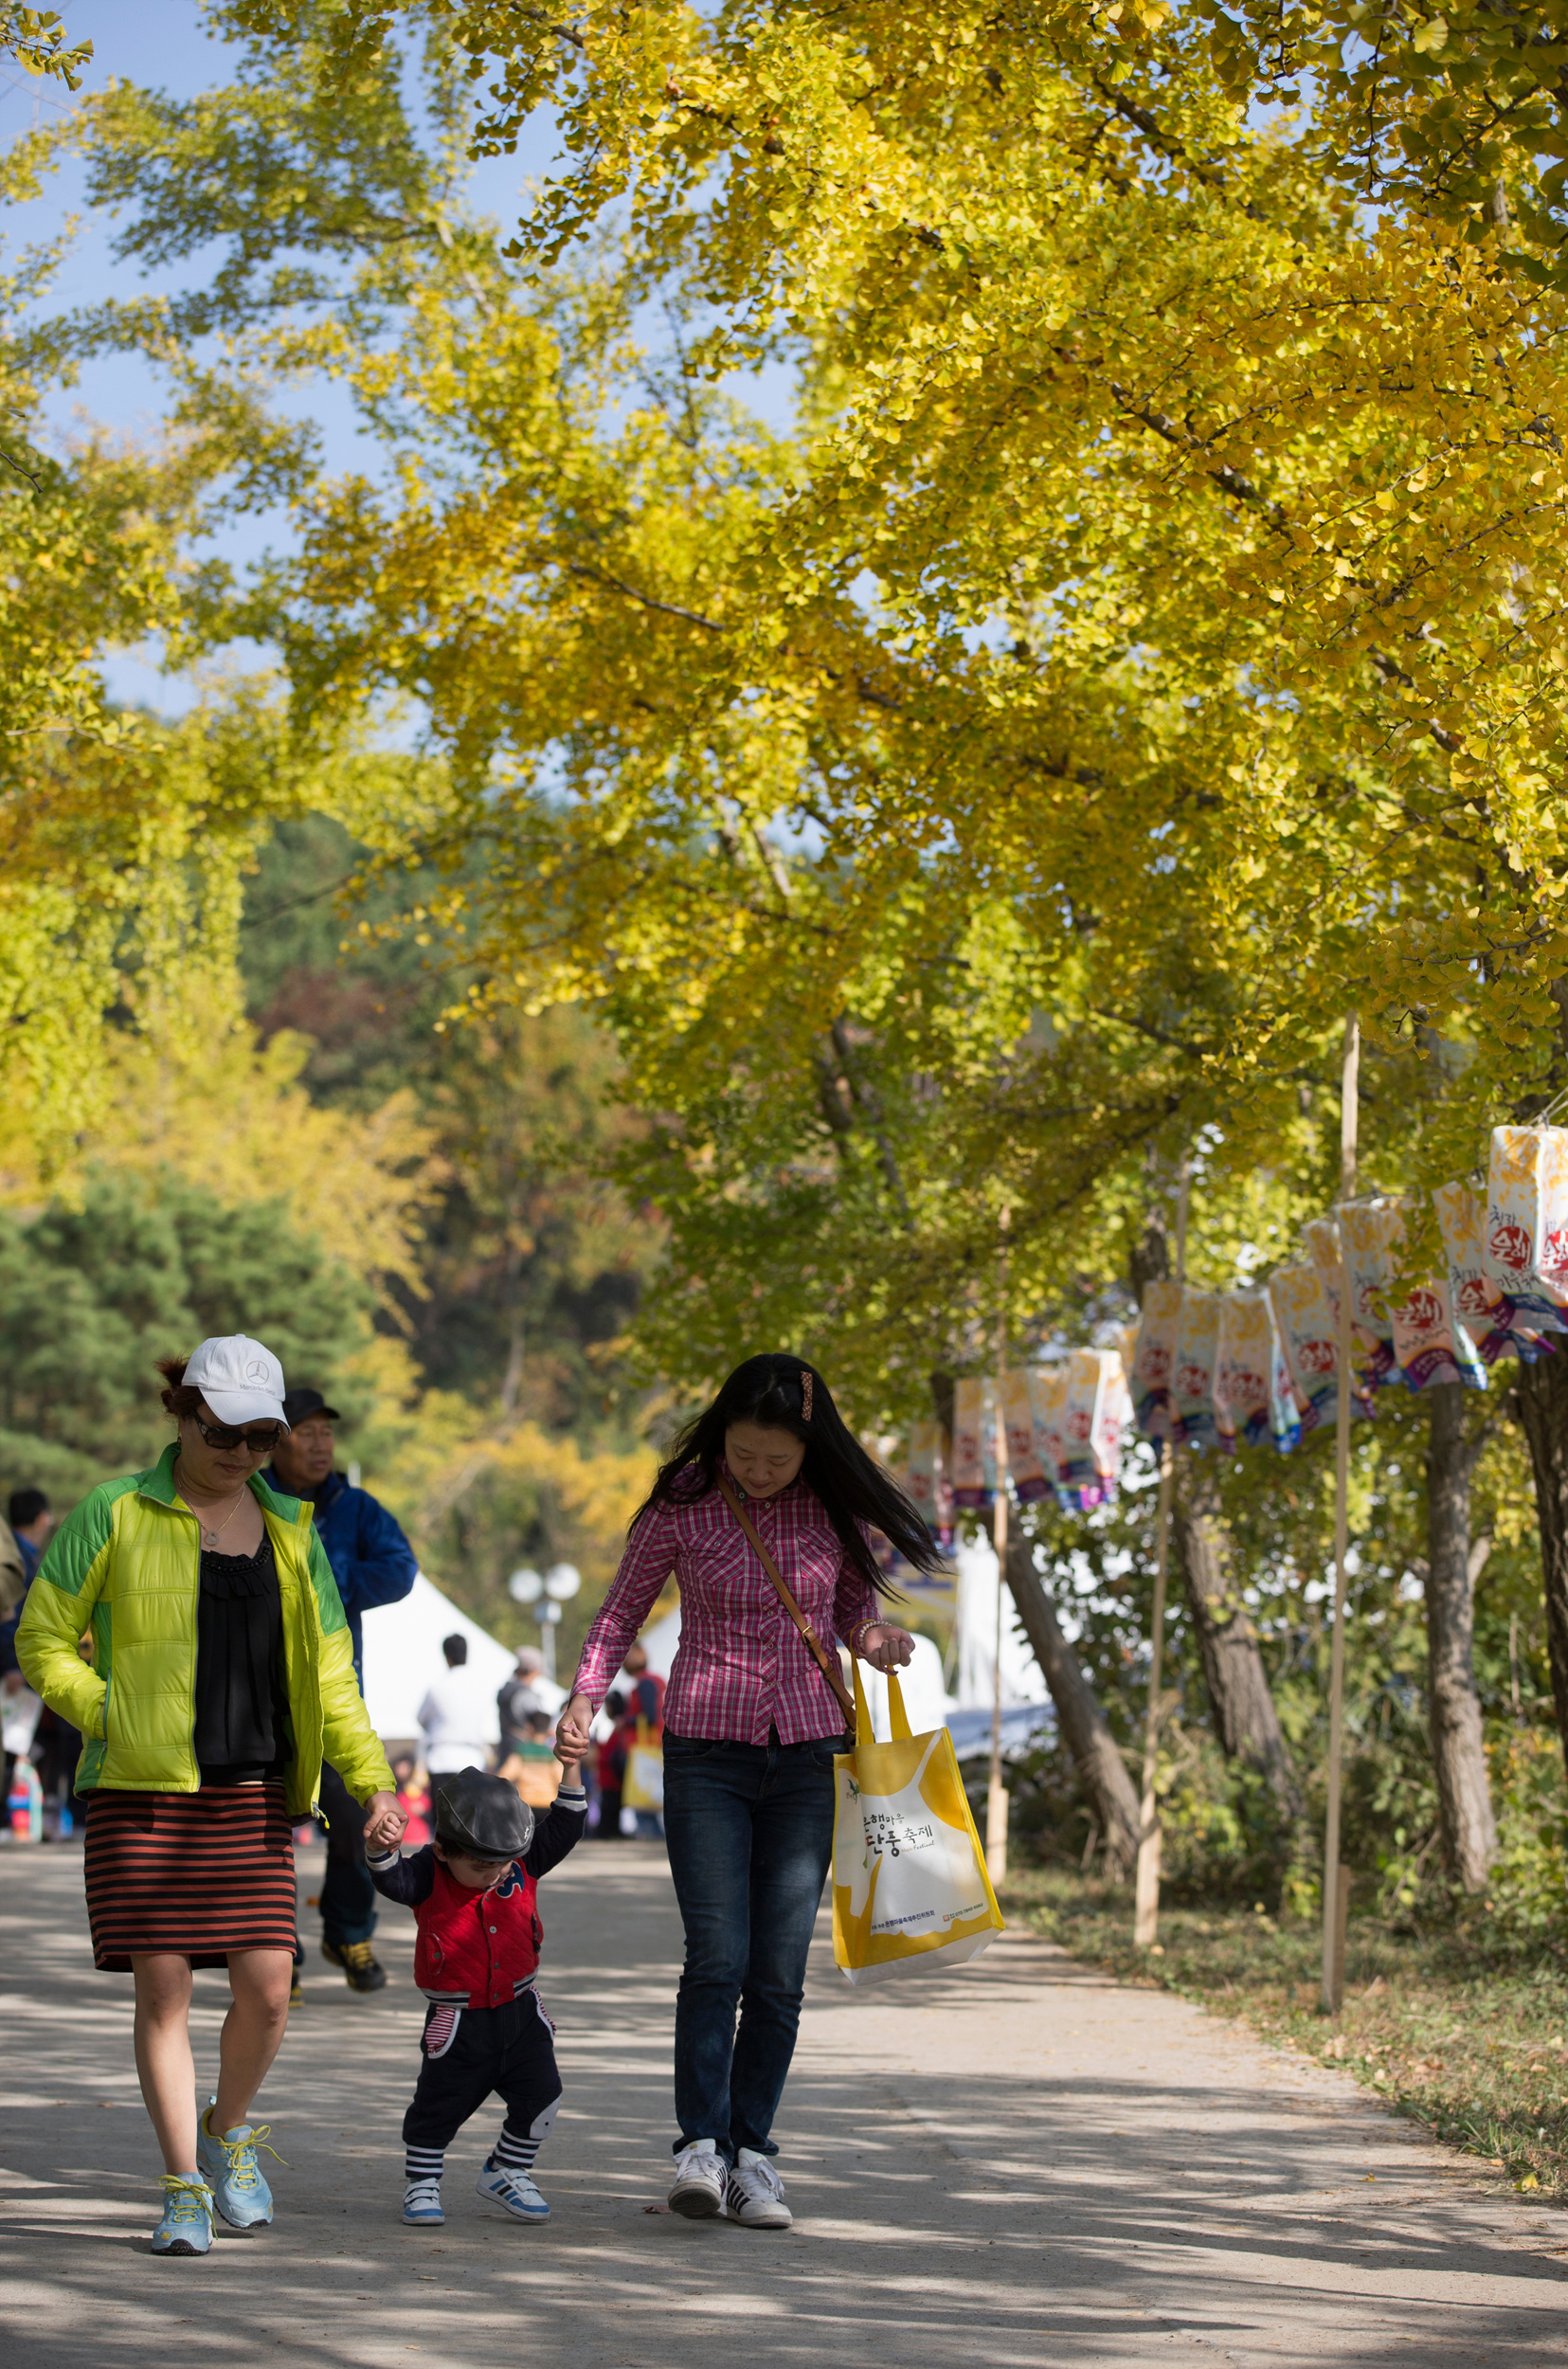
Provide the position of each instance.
(560, 1830)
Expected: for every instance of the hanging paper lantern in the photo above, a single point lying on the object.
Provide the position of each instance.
(1321, 1237)
(1524, 1251)
(1048, 1400)
(974, 1445)
(1085, 1385)
(1369, 1232)
(1030, 1476)
(1308, 1321)
(923, 1474)
(1112, 1423)
(1244, 1367)
(1430, 1347)
(1154, 1359)
(1192, 1384)
(1479, 1304)
(1284, 1422)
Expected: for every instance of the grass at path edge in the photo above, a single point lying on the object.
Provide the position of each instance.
(1476, 2052)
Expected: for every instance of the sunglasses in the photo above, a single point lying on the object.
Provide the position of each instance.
(260, 1441)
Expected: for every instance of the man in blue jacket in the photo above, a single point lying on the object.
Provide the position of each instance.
(373, 1564)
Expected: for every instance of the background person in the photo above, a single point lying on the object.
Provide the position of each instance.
(751, 1728)
(373, 1564)
(457, 1715)
(23, 1537)
(527, 1690)
(413, 1795)
(611, 1768)
(531, 1765)
(220, 1667)
(643, 1688)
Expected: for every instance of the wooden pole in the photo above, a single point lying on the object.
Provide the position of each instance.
(996, 1795)
(1145, 1911)
(1334, 1882)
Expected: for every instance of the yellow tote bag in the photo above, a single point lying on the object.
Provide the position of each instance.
(642, 1787)
(910, 1886)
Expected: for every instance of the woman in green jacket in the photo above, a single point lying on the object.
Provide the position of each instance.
(222, 1671)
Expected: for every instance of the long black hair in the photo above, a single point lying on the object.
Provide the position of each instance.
(784, 1393)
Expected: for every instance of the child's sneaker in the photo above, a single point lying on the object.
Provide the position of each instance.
(187, 2223)
(699, 2191)
(514, 2192)
(421, 2204)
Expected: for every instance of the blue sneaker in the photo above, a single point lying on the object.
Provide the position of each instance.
(187, 2223)
(240, 2193)
(514, 2192)
(421, 2204)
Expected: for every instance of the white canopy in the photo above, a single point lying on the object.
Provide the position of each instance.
(403, 1654)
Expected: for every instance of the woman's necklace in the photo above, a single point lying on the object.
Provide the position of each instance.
(210, 1536)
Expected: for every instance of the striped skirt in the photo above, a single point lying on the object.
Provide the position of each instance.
(195, 1874)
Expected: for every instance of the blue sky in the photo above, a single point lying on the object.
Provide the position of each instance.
(162, 43)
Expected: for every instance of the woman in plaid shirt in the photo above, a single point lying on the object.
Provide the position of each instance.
(751, 1726)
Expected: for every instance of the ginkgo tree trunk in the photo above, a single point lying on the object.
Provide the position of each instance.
(1466, 1826)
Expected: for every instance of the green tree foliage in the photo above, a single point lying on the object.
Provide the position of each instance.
(36, 39)
(91, 1295)
(1129, 665)
(530, 1263)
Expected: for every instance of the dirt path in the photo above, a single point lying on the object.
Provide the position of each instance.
(1019, 2164)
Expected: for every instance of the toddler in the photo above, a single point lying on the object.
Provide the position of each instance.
(472, 1891)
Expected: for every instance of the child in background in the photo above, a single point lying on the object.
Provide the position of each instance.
(413, 1793)
(472, 1890)
(534, 1767)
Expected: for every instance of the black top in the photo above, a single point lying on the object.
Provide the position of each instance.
(242, 1707)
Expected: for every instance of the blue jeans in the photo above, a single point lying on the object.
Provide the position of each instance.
(749, 1832)
(348, 1895)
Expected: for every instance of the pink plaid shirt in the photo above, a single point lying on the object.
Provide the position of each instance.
(742, 1665)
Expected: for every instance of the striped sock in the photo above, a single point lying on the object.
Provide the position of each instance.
(424, 2162)
(514, 2150)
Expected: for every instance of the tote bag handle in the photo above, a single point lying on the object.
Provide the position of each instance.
(828, 1663)
(898, 1717)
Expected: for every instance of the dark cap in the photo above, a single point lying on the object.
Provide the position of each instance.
(482, 1817)
(300, 1405)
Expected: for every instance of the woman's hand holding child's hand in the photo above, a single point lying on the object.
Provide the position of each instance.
(572, 1731)
(384, 1819)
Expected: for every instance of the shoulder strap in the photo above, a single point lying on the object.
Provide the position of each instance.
(825, 1662)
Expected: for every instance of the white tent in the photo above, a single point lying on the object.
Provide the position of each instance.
(1023, 1680)
(403, 1654)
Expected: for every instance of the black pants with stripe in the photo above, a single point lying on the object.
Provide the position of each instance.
(510, 2050)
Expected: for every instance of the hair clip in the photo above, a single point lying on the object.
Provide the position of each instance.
(806, 1394)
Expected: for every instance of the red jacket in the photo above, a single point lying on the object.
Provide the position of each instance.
(478, 1949)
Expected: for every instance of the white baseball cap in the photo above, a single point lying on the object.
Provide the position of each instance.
(239, 1378)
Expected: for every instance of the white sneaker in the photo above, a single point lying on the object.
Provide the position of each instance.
(421, 2204)
(514, 2192)
(756, 2192)
(699, 2191)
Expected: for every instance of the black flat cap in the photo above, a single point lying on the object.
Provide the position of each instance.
(482, 1817)
(300, 1405)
